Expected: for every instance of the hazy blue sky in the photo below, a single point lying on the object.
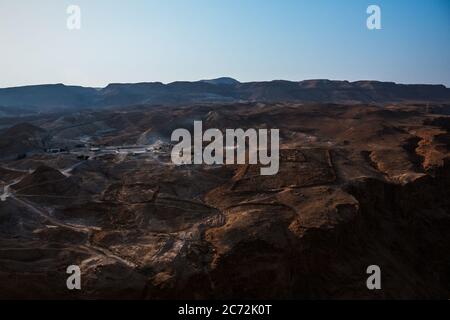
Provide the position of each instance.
(167, 40)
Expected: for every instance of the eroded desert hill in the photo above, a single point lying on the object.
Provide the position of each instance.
(358, 185)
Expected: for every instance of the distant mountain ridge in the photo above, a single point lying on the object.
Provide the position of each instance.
(221, 90)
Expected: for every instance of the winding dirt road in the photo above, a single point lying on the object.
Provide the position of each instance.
(46, 214)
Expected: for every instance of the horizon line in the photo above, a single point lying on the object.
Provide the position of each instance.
(213, 79)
